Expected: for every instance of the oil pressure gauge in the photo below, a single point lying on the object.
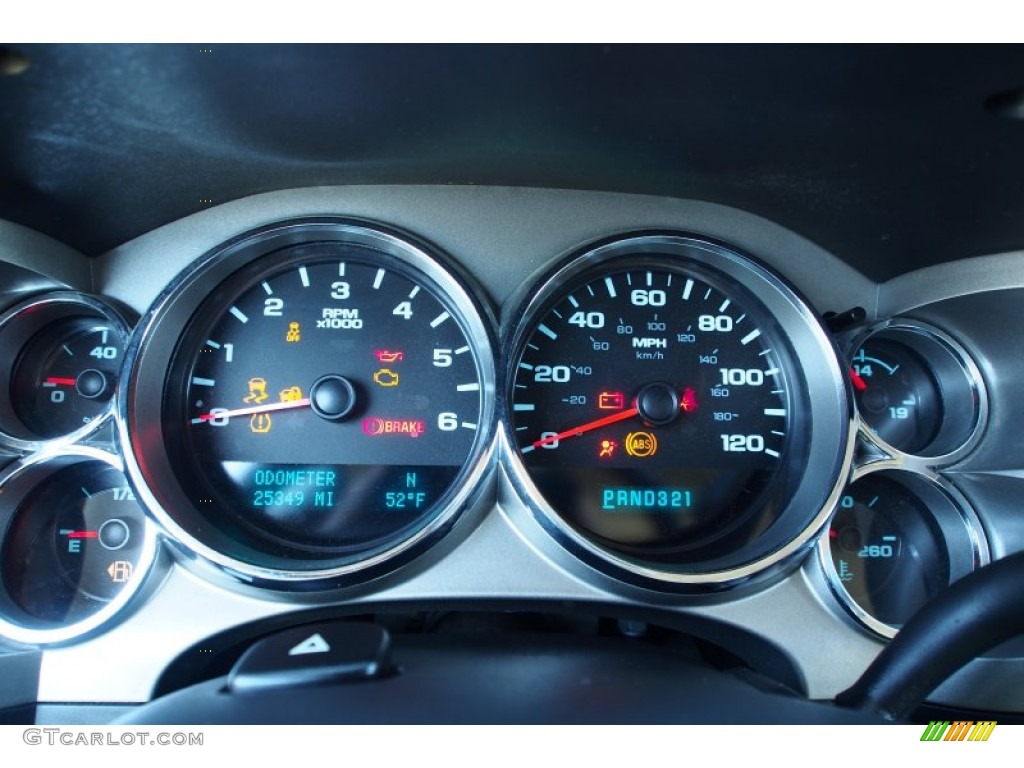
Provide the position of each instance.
(60, 356)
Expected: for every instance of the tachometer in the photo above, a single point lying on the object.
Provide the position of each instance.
(678, 410)
(325, 406)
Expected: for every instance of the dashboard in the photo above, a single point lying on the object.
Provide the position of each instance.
(490, 412)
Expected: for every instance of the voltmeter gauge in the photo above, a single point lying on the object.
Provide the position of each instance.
(675, 410)
(325, 400)
(917, 391)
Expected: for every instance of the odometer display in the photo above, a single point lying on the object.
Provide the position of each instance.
(657, 407)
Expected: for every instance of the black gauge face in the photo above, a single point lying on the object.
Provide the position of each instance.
(897, 394)
(322, 403)
(652, 407)
(73, 544)
(66, 375)
(887, 550)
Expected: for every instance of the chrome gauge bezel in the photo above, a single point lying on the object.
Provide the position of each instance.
(18, 326)
(830, 445)
(149, 360)
(16, 481)
(956, 373)
(961, 529)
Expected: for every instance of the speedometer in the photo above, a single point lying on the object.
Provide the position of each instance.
(324, 407)
(677, 409)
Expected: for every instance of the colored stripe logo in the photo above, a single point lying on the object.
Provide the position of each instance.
(959, 730)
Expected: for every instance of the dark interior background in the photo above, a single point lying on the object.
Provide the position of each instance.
(892, 157)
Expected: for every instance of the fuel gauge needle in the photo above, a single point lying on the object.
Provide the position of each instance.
(590, 425)
(303, 403)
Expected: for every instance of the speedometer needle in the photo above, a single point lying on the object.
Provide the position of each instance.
(304, 402)
(590, 425)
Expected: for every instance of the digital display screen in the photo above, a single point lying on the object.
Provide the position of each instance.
(336, 505)
(633, 499)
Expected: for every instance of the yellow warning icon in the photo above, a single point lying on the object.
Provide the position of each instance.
(290, 395)
(260, 423)
(257, 391)
(641, 444)
(385, 377)
(294, 333)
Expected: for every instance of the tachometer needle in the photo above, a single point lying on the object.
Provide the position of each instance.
(59, 380)
(590, 425)
(303, 403)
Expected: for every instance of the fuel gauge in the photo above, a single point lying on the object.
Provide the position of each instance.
(76, 545)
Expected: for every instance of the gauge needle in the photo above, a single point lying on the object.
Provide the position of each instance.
(858, 383)
(59, 380)
(304, 402)
(83, 534)
(595, 424)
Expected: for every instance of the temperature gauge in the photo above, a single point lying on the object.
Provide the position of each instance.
(897, 540)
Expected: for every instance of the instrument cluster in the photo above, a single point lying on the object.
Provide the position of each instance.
(312, 406)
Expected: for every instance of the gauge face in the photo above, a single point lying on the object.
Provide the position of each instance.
(897, 394)
(888, 552)
(66, 375)
(657, 408)
(918, 391)
(324, 407)
(74, 544)
(60, 357)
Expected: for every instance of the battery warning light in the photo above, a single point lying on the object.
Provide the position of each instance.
(389, 355)
(611, 401)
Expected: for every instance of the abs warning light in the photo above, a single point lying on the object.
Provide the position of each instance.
(374, 426)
